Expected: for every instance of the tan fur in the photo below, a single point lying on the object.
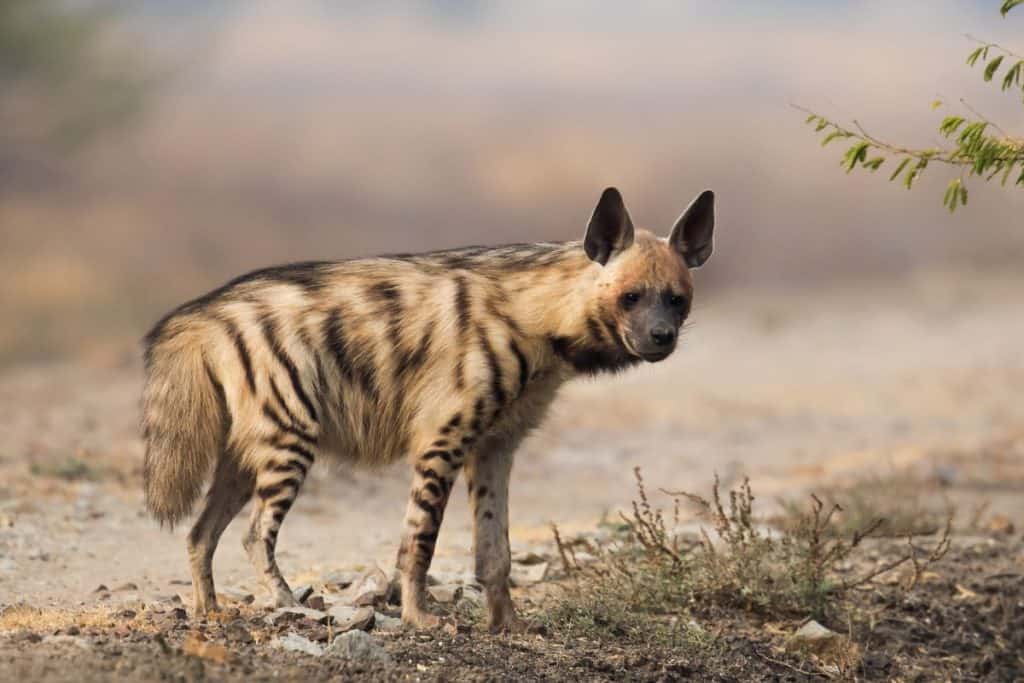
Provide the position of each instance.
(446, 359)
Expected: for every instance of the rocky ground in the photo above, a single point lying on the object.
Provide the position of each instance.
(916, 381)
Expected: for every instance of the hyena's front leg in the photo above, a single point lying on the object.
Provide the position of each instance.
(487, 476)
(435, 472)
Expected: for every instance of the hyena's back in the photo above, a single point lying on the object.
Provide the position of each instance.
(351, 358)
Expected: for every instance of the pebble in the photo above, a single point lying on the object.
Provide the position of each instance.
(369, 589)
(446, 594)
(295, 613)
(359, 646)
(296, 643)
(347, 618)
(302, 593)
(386, 624)
(472, 596)
(316, 602)
(127, 587)
(527, 557)
(527, 575)
(339, 580)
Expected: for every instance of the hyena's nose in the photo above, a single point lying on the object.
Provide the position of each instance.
(663, 335)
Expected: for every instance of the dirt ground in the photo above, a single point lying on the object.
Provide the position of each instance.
(920, 377)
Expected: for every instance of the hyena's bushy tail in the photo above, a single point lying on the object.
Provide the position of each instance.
(184, 422)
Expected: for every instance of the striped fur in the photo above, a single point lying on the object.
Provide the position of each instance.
(446, 359)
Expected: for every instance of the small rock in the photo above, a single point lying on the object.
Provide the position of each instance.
(369, 589)
(127, 587)
(73, 630)
(127, 614)
(101, 589)
(472, 596)
(285, 614)
(293, 642)
(316, 602)
(179, 613)
(339, 580)
(238, 632)
(828, 646)
(386, 624)
(446, 594)
(236, 595)
(348, 618)
(527, 557)
(318, 633)
(359, 646)
(302, 593)
(527, 575)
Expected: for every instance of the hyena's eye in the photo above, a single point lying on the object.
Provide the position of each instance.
(677, 301)
(630, 299)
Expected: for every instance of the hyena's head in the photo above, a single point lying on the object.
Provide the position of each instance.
(644, 290)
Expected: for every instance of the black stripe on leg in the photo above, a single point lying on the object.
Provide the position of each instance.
(497, 387)
(428, 473)
(524, 367)
(291, 466)
(430, 509)
(434, 489)
(275, 489)
(270, 334)
(444, 455)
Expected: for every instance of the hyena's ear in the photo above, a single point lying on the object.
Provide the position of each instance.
(692, 235)
(610, 230)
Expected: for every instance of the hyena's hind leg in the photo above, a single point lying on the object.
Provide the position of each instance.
(231, 489)
(277, 485)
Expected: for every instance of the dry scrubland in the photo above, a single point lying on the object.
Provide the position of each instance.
(895, 403)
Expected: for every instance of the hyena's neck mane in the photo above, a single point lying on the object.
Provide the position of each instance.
(550, 290)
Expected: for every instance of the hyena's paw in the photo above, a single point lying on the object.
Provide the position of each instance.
(515, 625)
(205, 609)
(282, 598)
(419, 619)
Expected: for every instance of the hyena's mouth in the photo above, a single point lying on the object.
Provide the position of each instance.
(649, 356)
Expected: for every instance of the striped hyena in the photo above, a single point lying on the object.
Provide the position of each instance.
(447, 359)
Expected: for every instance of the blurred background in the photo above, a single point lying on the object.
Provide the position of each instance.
(151, 150)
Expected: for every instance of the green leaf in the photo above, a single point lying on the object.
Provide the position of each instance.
(952, 195)
(991, 67)
(973, 57)
(899, 169)
(1012, 76)
(1009, 5)
(936, 104)
(950, 124)
(810, 118)
(855, 155)
(833, 135)
(873, 164)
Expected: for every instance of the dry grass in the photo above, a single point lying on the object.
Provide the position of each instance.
(648, 581)
(26, 618)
